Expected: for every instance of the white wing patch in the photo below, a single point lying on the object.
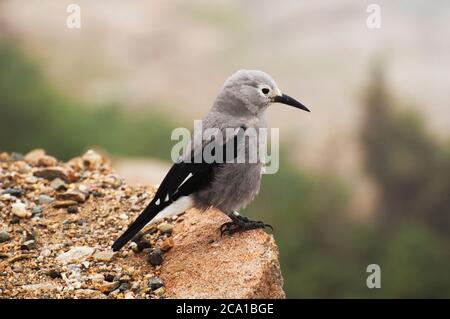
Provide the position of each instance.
(180, 205)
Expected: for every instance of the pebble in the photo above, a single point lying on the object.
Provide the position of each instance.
(166, 244)
(142, 244)
(165, 228)
(16, 192)
(92, 160)
(72, 196)
(51, 173)
(104, 256)
(72, 209)
(155, 257)
(19, 209)
(109, 277)
(16, 157)
(75, 255)
(64, 203)
(28, 245)
(155, 283)
(58, 184)
(44, 199)
(160, 291)
(129, 295)
(108, 287)
(36, 210)
(47, 160)
(54, 274)
(31, 179)
(4, 236)
(33, 156)
(124, 286)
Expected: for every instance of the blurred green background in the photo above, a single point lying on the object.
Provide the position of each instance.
(329, 224)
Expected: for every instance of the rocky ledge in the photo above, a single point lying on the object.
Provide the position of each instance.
(58, 221)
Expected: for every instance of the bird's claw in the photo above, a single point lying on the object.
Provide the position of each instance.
(239, 226)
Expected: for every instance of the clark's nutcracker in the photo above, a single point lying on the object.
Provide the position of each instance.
(227, 185)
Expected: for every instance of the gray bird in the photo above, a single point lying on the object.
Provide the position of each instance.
(226, 185)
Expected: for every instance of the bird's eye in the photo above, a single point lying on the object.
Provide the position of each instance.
(265, 90)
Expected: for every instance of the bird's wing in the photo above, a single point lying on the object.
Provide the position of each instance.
(184, 178)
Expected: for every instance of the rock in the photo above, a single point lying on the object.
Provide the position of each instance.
(166, 244)
(73, 196)
(36, 210)
(58, 184)
(54, 274)
(16, 157)
(19, 209)
(129, 295)
(44, 199)
(103, 256)
(160, 291)
(28, 245)
(108, 287)
(109, 277)
(31, 179)
(16, 192)
(41, 287)
(4, 236)
(92, 160)
(34, 156)
(72, 209)
(51, 173)
(64, 203)
(75, 255)
(141, 245)
(165, 228)
(244, 265)
(155, 283)
(155, 257)
(124, 286)
(47, 161)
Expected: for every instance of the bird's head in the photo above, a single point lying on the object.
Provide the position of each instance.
(255, 90)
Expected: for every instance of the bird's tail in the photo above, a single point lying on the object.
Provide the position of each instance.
(147, 215)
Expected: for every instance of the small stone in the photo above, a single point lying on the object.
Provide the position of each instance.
(92, 160)
(33, 156)
(28, 245)
(15, 220)
(129, 295)
(54, 274)
(47, 161)
(103, 256)
(113, 181)
(72, 209)
(31, 180)
(109, 277)
(165, 228)
(36, 210)
(16, 157)
(75, 255)
(16, 192)
(64, 203)
(4, 236)
(167, 244)
(124, 286)
(155, 257)
(73, 196)
(44, 199)
(155, 283)
(51, 173)
(58, 184)
(160, 291)
(19, 209)
(4, 157)
(143, 244)
(108, 287)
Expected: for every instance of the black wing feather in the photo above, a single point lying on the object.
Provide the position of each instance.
(173, 187)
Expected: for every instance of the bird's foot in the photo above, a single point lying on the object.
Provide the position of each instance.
(240, 223)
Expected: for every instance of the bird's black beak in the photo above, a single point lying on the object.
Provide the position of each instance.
(286, 99)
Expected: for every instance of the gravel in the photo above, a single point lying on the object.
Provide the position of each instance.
(64, 250)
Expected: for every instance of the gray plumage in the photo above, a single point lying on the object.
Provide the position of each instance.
(241, 103)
